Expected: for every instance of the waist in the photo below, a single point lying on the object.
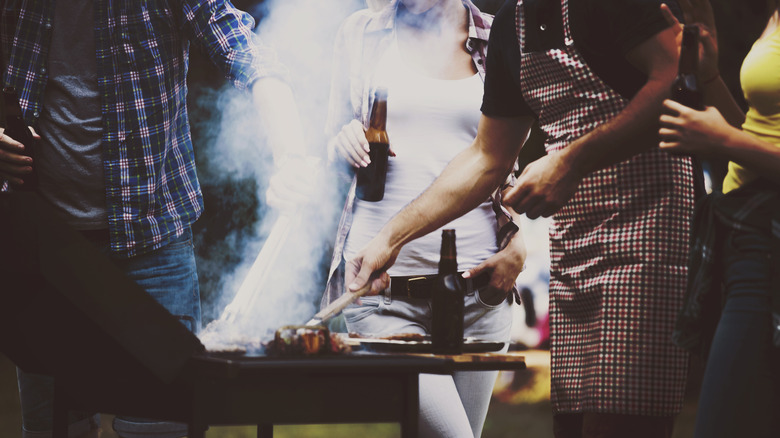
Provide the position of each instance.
(422, 286)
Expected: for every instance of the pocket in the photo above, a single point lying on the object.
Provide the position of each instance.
(485, 303)
(368, 306)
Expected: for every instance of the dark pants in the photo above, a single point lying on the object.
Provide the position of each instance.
(740, 394)
(594, 425)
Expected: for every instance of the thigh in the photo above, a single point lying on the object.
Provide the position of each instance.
(485, 321)
(737, 391)
(377, 315)
(170, 276)
(441, 413)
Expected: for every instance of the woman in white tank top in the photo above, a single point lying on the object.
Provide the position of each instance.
(430, 56)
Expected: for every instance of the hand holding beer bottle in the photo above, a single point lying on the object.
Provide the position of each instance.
(367, 150)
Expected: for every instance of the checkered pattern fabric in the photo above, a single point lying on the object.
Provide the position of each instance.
(142, 51)
(618, 248)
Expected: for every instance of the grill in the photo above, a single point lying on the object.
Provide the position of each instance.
(68, 312)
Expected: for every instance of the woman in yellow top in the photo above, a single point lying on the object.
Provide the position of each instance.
(741, 388)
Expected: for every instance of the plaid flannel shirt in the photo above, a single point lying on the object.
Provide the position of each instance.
(142, 52)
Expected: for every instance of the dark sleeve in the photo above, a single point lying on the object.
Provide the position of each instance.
(503, 96)
(628, 23)
(606, 30)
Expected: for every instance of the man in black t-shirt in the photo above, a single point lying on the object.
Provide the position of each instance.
(593, 73)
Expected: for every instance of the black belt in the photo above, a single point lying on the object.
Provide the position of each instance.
(422, 286)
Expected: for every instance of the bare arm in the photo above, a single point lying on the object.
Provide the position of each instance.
(548, 183)
(465, 183)
(279, 117)
(707, 133)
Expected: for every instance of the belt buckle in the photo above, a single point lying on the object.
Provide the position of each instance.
(409, 282)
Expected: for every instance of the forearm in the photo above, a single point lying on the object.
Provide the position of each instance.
(758, 155)
(717, 94)
(631, 132)
(279, 117)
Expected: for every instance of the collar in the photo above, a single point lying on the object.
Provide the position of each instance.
(384, 21)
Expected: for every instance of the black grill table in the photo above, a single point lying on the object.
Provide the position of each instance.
(68, 312)
(358, 388)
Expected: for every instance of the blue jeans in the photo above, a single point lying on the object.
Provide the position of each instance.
(450, 406)
(168, 274)
(741, 389)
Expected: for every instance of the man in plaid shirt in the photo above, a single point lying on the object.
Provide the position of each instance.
(103, 83)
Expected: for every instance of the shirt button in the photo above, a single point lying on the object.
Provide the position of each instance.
(47, 25)
(479, 61)
(43, 70)
(543, 27)
(36, 114)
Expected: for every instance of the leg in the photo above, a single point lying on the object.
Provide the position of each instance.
(411, 408)
(475, 388)
(36, 396)
(567, 425)
(621, 426)
(736, 397)
(169, 275)
(441, 412)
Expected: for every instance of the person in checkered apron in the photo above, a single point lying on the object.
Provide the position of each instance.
(593, 74)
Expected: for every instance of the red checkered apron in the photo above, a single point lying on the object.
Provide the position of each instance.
(618, 251)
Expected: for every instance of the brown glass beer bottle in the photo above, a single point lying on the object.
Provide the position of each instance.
(371, 179)
(685, 88)
(448, 300)
(16, 128)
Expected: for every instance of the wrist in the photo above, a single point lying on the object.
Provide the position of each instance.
(709, 79)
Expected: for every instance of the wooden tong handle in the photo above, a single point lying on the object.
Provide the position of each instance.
(338, 305)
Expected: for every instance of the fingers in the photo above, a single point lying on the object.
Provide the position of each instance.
(352, 145)
(674, 107)
(14, 164)
(671, 20)
(364, 272)
(473, 272)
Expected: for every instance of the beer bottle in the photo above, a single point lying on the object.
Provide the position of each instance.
(448, 300)
(16, 128)
(371, 179)
(685, 88)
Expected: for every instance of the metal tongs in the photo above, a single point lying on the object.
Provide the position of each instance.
(338, 305)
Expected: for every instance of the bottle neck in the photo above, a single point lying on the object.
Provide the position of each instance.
(379, 115)
(448, 261)
(689, 52)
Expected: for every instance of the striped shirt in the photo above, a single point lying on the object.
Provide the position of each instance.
(142, 52)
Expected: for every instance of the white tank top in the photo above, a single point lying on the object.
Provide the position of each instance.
(429, 121)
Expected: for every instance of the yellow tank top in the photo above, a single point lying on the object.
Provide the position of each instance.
(760, 77)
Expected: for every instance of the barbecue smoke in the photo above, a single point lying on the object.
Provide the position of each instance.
(302, 33)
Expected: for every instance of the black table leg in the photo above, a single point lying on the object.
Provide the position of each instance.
(411, 407)
(60, 414)
(265, 430)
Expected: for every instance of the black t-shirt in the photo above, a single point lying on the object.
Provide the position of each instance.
(603, 32)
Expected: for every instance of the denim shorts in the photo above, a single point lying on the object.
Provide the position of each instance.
(170, 276)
